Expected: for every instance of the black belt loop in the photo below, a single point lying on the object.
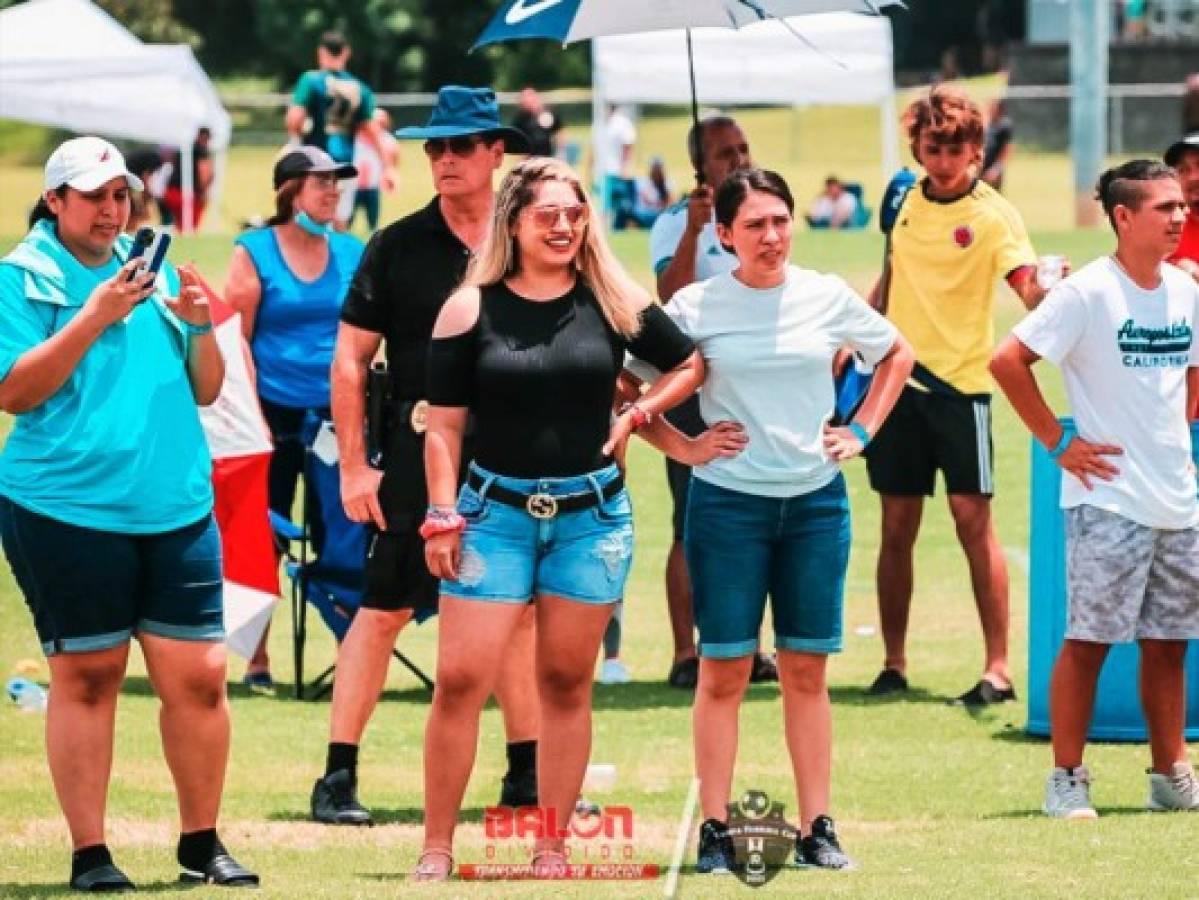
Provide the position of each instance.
(527, 502)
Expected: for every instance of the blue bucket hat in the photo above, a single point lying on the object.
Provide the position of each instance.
(462, 111)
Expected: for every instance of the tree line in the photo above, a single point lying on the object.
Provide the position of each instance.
(417, 45)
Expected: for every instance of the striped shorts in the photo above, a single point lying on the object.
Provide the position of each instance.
(929, 432)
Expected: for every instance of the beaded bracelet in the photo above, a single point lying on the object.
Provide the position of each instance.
(441, 523)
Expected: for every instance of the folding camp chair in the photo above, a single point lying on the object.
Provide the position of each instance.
(328, 571)
(861, 214)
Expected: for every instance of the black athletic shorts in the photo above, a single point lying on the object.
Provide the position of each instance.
(396, 574)
(687, 419)
(930, 431)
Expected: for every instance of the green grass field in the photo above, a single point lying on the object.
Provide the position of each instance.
(931, 801)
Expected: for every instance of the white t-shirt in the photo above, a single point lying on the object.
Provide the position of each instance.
(710, 257)
(369, 162)
(618, 132)
(825, 207)
(1124, 354)
(770, 355)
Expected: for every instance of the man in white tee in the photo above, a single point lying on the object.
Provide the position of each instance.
(1122, 332)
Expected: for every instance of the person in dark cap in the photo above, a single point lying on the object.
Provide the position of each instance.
(330, 108)
(1183, 157)
(408, 271)
(288, 280)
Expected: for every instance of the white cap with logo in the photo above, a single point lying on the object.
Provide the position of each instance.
(86, 163)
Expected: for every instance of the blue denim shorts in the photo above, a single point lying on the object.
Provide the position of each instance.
(511, 557)
(742, 548)
(91, 590)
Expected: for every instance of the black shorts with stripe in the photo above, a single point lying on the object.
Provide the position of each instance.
(930, 431)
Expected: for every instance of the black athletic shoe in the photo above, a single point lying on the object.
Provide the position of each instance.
(104, 879)
(984, 694)
(519, 789)
(765, 668)
(222, 870)
(820, 848)
(335, 801)
(684, 674)
(889, 681)
(716, 853)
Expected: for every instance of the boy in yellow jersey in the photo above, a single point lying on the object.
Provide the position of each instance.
(954, 237)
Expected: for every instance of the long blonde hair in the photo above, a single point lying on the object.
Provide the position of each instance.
(619, 297)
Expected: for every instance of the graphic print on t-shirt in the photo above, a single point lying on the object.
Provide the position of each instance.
(1161, 347)
(343, 96)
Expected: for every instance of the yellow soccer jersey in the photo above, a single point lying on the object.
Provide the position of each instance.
(945, 261)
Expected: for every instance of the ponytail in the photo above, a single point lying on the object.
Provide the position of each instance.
(41, 210)
(285, 202)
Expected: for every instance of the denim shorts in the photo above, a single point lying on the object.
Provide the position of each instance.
(743, 547)
(510, 557)
(91, 590)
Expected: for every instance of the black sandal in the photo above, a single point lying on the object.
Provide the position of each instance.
(105, 879)
(222, 870)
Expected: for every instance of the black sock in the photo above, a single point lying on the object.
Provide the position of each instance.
(342, 756)
(197, 848)
(522, 756)
(87, 858)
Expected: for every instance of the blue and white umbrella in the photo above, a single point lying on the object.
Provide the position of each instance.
(577, 20)
(567, 21)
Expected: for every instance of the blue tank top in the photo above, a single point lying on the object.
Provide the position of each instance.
(296, 325)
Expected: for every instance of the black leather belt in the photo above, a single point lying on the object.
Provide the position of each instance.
(542, 505)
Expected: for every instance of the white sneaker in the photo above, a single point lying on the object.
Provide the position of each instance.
(1068, 794)
(613, 671)
(1173, 792)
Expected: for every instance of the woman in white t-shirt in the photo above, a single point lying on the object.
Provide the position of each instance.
(773, 519)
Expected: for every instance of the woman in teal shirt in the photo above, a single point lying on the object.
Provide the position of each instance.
(103, 366)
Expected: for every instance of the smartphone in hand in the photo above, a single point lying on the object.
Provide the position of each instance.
(152, 246)
(141, 240)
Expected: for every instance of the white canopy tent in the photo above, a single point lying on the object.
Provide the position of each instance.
(67, 63)
(847, 61)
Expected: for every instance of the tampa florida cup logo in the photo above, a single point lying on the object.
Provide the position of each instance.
(762, 839)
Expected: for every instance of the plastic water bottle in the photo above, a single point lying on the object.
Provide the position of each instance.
(28, 695)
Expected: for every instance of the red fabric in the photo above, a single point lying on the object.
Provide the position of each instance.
(218, 307)
(241, 513)
(1189, 247)
(172, 199)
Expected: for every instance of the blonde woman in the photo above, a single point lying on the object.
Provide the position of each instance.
(531, 346)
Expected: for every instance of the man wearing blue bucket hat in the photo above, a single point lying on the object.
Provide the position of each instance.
(408, 270)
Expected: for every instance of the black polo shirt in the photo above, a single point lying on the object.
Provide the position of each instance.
(408, 271)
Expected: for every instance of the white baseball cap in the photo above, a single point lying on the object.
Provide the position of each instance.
(86, 163)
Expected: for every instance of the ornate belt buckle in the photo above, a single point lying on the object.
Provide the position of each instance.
(541, 506)
(419, 419)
